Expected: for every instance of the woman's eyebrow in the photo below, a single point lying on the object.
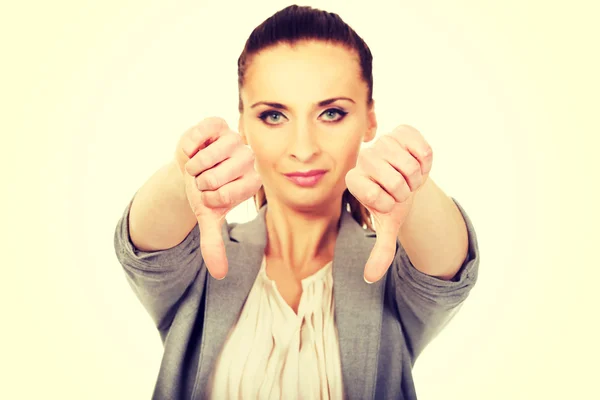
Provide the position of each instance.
(274, 105)
(280, 106)
(329, 101)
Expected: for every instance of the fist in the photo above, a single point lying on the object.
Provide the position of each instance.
(384, 180)
(218, 171)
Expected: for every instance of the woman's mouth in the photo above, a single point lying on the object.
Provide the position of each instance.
(306, 178)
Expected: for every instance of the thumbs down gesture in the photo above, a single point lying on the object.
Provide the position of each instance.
(384, 180)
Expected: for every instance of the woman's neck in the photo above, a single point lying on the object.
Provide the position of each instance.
(297, 238)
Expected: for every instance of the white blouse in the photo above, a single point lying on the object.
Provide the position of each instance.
(274, 353)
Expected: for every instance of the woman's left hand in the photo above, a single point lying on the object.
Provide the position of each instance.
(385, 179)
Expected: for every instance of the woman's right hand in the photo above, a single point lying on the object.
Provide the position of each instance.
(218, 170)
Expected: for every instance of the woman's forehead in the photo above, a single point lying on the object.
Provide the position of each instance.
(310, 71)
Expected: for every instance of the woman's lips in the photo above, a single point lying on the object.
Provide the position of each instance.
(306, 179)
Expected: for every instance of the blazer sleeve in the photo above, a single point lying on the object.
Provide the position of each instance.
(426, 303)
(160, 278)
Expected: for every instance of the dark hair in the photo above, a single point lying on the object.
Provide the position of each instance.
(294, 24)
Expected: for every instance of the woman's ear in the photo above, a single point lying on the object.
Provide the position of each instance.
(241, 130)
(371, 123)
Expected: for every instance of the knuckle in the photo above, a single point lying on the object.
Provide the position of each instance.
(367, 157)
(257, 178)
(212, 182)
(250, 153)
(189, 168)
(207, 159)
(348, 177)
(385, 141)
(224, 197)
(371, 196)
(252, 174)
(195, 134)
(370, 152)
(236, 138)
(229, 139)
(207, 125)
(387, 206)
(199, 183)
(351, 178)
(403, 196)
(428, 152)
(397, 186)
(413, 168)
(212, 122)
(186, 145)
(249, 160)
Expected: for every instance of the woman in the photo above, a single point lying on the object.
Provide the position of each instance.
(286, 312)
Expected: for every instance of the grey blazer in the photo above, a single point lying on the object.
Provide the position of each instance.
(382, 327)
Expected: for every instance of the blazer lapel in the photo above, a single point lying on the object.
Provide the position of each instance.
(358, 309)
(244, 246)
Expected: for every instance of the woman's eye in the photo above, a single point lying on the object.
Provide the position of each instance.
(272, 117)
(334, 115)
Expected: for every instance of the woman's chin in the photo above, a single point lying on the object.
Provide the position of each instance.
(310, 201)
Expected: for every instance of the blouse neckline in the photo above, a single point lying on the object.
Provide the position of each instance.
(324, 274)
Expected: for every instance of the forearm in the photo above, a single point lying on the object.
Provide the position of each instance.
(434, 233)
(160, 215)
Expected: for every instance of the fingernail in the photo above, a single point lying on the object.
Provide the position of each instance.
(365, 278)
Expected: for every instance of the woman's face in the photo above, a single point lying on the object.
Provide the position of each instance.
(305, 109)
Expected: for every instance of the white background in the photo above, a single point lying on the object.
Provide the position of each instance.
(96, 94)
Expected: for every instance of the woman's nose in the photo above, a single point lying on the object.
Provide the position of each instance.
(304, 145)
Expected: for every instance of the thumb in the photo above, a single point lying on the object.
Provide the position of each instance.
(212, 246)
(383, 252)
